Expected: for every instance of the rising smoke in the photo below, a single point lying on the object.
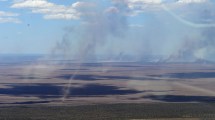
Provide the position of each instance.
(98, 24)
(180, 39)
(197, 47)
(165, 32)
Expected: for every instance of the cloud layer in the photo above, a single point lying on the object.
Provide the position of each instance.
(52, 10)
(74, 11)
(8, 17)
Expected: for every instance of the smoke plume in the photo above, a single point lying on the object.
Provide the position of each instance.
(98, 25)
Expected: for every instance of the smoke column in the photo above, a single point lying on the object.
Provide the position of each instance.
(99, 24)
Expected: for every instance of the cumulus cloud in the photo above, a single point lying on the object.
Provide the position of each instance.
(145, 1)
(192, 1)
(8, 14)
(60, 16)
(52, 10)
(8, 17)
(82, 4)
(139, 6)
(75, 11)
(32, 4)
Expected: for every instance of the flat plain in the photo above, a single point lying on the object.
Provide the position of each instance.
(112, 89)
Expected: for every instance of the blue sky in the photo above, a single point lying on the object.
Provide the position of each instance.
(133, 27)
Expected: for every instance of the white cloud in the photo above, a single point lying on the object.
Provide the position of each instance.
(76, 10)
(192, 1)
(32, 4)
(60, 16)
(139, 6)
(82, 4)
(8, 17)
(7, 14)
(146, 1)
(9, 20)
(52, 10)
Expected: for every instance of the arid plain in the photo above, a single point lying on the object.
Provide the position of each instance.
(105, 83)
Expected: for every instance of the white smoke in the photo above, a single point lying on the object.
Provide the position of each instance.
(98, 24)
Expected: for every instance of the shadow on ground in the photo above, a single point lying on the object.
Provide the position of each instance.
(49, 90)
(98, 77)
(182, 98)
(191, 75)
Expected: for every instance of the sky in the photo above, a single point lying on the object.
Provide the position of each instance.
(112, 28)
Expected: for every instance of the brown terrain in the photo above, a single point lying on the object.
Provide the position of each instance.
(106, 83)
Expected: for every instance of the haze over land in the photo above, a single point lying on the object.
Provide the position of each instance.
(106, 51)
(107, 59)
